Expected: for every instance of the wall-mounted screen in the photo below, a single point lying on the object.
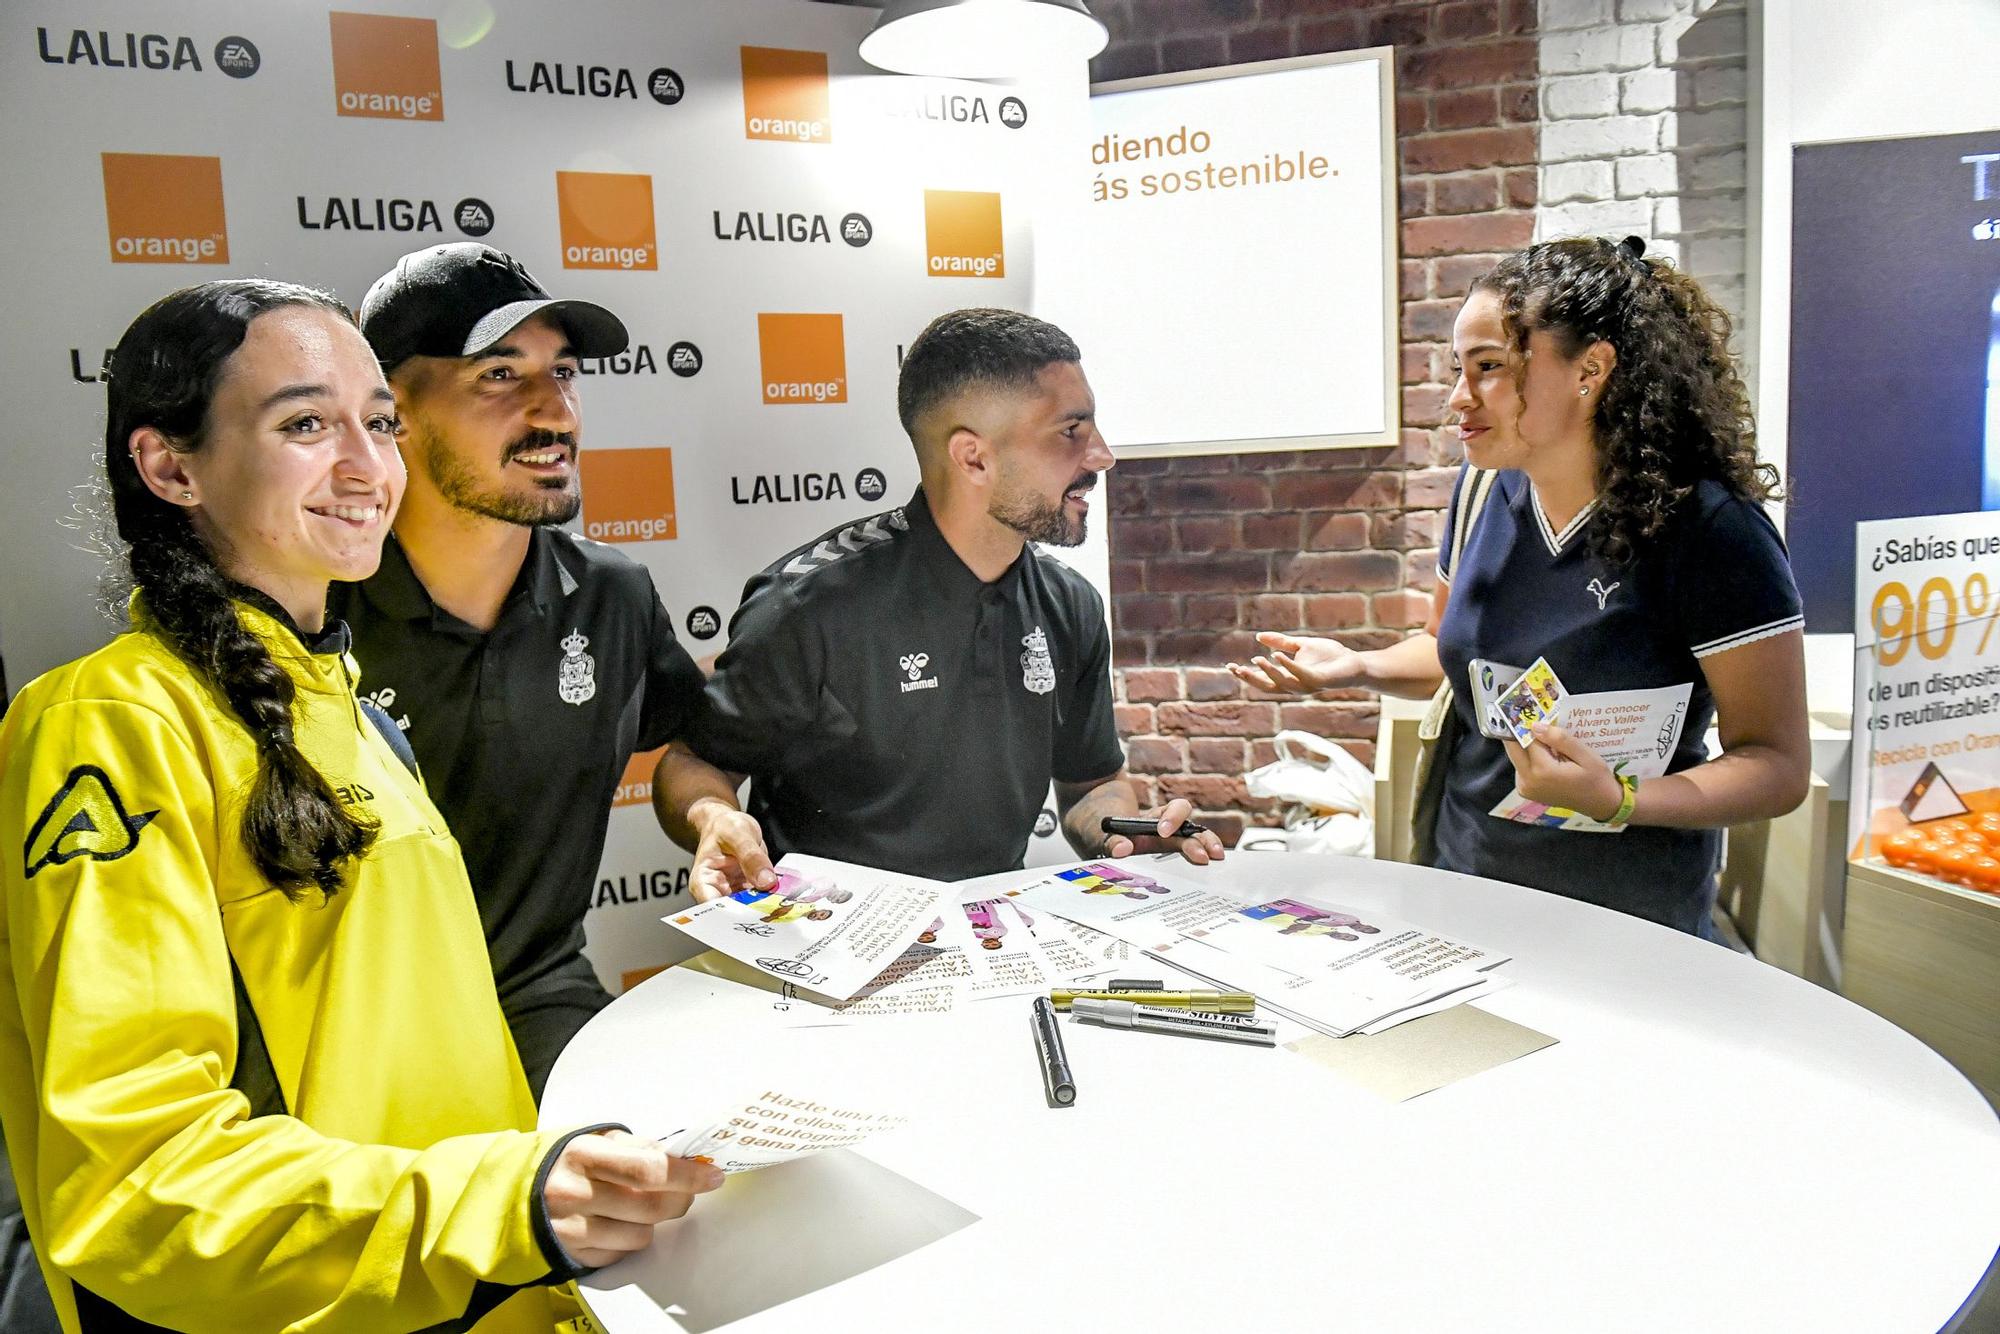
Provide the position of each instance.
(1895, 357)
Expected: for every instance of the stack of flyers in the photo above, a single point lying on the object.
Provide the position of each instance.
(987, 946)
(826, 926)
(1346, 970)
(1008, 947)
(1334, 969)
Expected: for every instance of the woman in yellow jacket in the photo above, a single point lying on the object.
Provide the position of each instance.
(253, 1073)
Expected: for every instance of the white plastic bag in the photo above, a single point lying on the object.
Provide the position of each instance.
(1331, 795)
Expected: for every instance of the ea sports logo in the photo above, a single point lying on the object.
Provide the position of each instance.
(684, 360)
(869, 484)
(474, 216)
(704, 623)
(237, 57)
(1013, 112)
(666, 86)
(1045, 822)
(856, 230)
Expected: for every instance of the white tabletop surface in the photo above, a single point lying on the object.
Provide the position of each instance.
(1712, 1145)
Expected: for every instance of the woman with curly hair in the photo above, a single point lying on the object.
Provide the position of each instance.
(1626, 542)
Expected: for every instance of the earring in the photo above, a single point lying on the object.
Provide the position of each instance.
(1583, 392)
(187, 495)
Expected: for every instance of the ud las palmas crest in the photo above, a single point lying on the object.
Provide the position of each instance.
(1038, 674)
(576, 679)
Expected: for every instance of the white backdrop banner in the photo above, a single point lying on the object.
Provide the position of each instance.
(772, 219)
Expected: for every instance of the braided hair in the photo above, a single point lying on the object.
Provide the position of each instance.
(163, 374)
(1674, 411)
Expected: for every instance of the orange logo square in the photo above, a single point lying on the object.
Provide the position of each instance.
(635, 786)
(962, 234)
(785, 95)
(607, 220)
(165, 209)
(386, 67)
(628, 496)
(804, 358)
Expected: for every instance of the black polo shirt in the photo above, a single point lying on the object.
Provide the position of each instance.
(523, 731)
(1714, 578)
(893, 709)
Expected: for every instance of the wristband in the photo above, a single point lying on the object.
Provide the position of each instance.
(1629, 785)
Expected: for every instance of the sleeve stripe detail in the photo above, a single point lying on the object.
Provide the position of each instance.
(1444, 575)
(1750, 636)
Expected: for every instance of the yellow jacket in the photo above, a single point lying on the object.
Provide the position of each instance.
(396, 1182)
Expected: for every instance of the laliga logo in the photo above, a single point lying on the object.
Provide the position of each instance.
(914, 663)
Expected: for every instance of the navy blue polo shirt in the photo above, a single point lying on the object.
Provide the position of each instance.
(1715, 578)
(893, 709)
(523, 731)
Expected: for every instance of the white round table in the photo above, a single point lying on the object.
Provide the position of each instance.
(1712, 1145)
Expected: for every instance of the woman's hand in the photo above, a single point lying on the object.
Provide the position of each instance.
(1301, 666)
(1559, 770)
(606, 1191)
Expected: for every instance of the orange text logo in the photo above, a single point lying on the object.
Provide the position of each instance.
(635, 786)
(962, 234)
(804, 358)
(628, 496)
(165, 209)
(785, 95)
(607, 220)
(386, 67)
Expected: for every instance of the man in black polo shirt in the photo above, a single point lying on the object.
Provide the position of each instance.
(901, 690)
(525, 664)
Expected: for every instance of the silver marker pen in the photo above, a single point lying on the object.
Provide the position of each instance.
(1187, 1023)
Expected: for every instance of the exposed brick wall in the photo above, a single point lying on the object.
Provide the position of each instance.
(1205, 551)
(1644, 123)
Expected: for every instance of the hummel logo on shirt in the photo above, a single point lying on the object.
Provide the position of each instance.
(913, 665)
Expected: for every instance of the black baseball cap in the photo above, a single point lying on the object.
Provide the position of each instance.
(458, 300)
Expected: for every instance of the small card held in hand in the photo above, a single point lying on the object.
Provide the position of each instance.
(1537, 697)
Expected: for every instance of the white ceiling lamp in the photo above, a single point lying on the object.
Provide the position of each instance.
(981, 39)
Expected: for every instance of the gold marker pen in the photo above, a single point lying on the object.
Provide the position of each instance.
(1240, 1002)
(1185, 1023)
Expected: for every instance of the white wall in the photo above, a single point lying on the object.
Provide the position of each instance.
(1838, 70)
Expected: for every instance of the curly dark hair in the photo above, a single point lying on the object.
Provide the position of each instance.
(164, 374)
(1674, 410)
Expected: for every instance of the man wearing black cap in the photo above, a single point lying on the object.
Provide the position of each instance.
(525, 664)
